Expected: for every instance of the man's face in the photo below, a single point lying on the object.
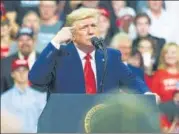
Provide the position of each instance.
(142, 26)
(155, 5)
(20, 75)
(125, 48)
(47, 9)
(25, 44)
(84, 30)
(104, 24)
(32, 21)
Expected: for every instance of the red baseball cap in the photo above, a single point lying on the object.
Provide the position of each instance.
(19, 63)
(104, 12)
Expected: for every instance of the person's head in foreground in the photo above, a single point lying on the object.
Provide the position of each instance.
(84, 23)
(120, 115)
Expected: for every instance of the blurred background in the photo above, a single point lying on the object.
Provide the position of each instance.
(146, 33)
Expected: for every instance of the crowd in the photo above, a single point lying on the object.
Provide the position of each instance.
(145, 32)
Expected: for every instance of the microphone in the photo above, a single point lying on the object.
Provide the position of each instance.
(98, 43)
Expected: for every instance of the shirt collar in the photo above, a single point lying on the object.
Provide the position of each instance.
(83, 54)
(31, 56)
(21, 91)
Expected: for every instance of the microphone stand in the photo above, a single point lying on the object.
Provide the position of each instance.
(104, 49)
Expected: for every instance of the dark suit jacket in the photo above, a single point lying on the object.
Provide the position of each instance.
(137, 71)
(6, 79)
(62, 71)
(159, 43)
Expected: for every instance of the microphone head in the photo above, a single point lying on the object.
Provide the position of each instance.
(96, 42)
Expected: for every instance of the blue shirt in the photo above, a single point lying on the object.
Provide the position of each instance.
(27, 105)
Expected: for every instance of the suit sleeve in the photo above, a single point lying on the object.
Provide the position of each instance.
(135, 83)
(42, 72)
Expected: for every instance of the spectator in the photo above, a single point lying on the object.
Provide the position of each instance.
(146, 48)
(170, 122)
(25, 41)
(123, 43)
(32, 20)
(104, 25)
(114, 7)
(125, 21)
(50, 25)
(117, 6)
(10, 16)
(142, 23)
(21, 100)
(17, 9)
(160, 20)
(173, 11)
(166, 78)
(6, 40)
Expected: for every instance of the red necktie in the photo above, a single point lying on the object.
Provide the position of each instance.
(90, 82)
(25, 57)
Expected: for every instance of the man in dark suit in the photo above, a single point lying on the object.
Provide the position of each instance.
(70, 63)
(26, 44)
(142, 23)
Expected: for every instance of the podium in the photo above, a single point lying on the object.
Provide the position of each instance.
(81, 113)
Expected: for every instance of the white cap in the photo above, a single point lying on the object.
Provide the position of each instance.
(127, 11)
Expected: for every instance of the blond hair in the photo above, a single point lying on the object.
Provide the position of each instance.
(162, 63)
(80, 14)
(120, 37)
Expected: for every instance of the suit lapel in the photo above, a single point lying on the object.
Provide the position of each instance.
(99, 67)
(78, 74)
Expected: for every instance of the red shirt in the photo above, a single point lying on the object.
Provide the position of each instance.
(148, 81)
(164, 84)
(4, 52)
